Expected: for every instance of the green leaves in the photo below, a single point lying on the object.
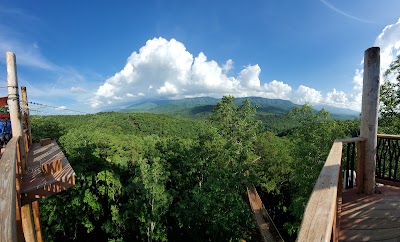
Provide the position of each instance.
(390, 100)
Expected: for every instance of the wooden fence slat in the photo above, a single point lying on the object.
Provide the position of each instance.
(8, 224)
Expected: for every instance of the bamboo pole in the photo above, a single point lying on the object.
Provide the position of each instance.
(16, 125)
(369, 115)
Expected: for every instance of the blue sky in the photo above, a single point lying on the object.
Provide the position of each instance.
(91, 56)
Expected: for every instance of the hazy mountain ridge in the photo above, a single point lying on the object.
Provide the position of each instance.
(204, 105)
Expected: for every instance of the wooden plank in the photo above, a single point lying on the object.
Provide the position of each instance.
(51, 168)
(8, 225)
(319, 214)
(370, 223)
(370, 235)
(375, 217)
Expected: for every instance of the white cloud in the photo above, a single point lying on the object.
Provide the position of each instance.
(336, 97)
(389, 42)
(78, 90)
(341, 12)
(306, 95)
(277, 89)
(165, 69)
(249, 77)
(60, 108)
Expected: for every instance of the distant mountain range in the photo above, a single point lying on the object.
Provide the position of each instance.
(202, 106)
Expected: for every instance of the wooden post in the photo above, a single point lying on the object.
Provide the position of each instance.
(27, 224)
(26, 115)
(13, 104)
(16, 125)
(360, 166)
(35, 207)
(369, 115)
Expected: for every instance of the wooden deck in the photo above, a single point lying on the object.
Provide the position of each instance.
(35, 185)
(371, 218)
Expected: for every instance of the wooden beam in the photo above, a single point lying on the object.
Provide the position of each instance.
(319, 216)
(8, 225)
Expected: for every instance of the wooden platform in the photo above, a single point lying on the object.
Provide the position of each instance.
(371, 218)
(35, 185)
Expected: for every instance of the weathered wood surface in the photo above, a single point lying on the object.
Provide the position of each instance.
(320, 213)
(35, 185)
(371, 218)
(369, 115)
(8, 163)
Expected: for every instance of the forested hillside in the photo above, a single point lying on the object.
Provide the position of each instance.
(151, 177)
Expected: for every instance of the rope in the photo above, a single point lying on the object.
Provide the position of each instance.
(55, 107)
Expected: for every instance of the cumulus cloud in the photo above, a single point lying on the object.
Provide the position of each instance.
(306, 95)
(336, 97)
(389, 43)
(165, 69)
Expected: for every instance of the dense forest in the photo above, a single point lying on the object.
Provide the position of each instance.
(153, 177)
(156, 177)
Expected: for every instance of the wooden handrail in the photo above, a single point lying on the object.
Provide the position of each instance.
(8, 163)
(388, 136)
(351, 140)
(320, 213)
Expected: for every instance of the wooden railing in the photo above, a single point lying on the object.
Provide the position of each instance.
(388, 158)
(322, 214)
(8, 193)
